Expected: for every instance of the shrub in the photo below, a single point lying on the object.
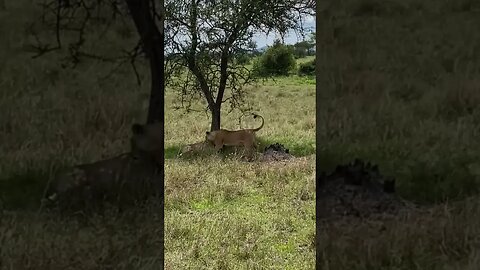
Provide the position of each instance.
(307, 68)
(277, 60)
(243, 59)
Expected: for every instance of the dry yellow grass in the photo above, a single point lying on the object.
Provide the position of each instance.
(398, 88)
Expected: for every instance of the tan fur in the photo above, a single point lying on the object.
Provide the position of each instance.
(194, 148)
(243, 137)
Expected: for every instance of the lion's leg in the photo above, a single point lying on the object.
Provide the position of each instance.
(249, 149)
(255, 145)
(218, 146)
(245, 147)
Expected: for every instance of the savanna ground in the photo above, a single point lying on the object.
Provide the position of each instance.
(399, 85)
(219, 213)
(223, 213)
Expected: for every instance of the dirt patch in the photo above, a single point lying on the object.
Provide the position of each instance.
(275, 152)
(358, 190)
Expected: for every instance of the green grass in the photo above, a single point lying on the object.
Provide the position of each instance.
(220, 212)
(305, 59)
(399, 86)
(236, 209)
(250, 216)
(388, 96)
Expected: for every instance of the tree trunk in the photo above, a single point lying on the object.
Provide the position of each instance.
(216, 109)
(215, 125)
(157, 101)
(153, 44)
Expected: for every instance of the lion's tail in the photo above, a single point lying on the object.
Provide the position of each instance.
(261, 126)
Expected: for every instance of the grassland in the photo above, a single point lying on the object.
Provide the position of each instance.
(228, 214)
(399, 86)
(220, 214)
(404, 92)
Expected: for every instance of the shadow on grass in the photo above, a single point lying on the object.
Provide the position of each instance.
(418, 181)
(172, 151)
(298, 149)
(23, 190)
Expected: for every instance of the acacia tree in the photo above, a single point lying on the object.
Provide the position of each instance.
(204, 36)
(303, 48)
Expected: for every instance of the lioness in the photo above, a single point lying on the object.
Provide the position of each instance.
(190, 149)
(245, 137)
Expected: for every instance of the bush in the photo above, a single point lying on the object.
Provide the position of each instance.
(243, 59)
(277, 60)
(307, 68)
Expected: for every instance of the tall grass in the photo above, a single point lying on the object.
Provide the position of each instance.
(398, 84)
(220, 213)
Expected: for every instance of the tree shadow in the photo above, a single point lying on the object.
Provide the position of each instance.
(297, 149)
(23, 190)
(171, 152)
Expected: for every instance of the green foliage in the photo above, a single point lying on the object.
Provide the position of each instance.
(243, 59)
(230, 27)
(278, 60)
(303, 48)
(415, 117)
(307, 68)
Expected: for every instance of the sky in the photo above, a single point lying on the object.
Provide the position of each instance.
(291, 38)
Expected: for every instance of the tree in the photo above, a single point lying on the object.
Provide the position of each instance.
(72, 20)
(207, 34)
(302, 49)
(243, 58)
(143, 13)
(277, 60)
(312, 40)
(307, 68)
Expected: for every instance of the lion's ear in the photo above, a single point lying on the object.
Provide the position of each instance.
(137, 129)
